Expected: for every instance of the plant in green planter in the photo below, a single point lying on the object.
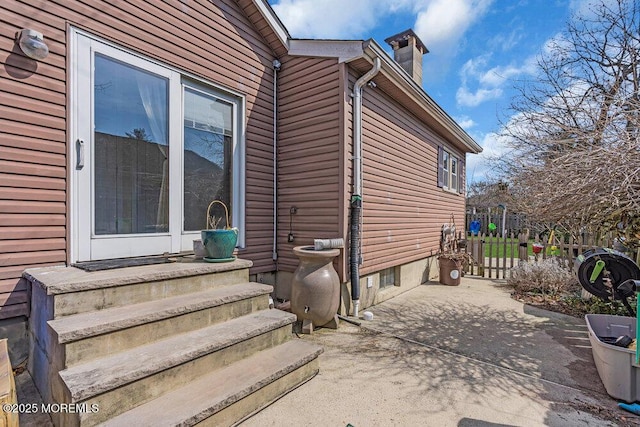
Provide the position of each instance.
(219, 243)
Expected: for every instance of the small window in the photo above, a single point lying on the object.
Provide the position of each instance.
(454, 174)
(450, 171)
(388, 278)
(445, 168)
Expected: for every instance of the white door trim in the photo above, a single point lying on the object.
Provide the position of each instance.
(86, 246)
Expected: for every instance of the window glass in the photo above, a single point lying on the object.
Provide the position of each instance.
(451, 170)
(445, 169)
(387, 277)
(208, 148)
(454, 173)
(131, 152)
(153, 147)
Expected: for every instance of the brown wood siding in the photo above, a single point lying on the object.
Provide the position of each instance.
(32, 156)
(214, 40)
(403, 209)
(261, 24)
(309, 155)
(346, 162)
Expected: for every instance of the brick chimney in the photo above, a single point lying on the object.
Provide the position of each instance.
(408, 50)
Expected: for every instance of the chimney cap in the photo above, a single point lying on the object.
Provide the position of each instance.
(406, 35)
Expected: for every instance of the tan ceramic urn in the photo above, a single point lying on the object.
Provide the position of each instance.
(315, 289)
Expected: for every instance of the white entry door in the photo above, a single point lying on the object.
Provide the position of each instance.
(151, 151)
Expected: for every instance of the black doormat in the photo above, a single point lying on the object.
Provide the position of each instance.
(110, 264)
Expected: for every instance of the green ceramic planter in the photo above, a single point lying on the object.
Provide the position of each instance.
(219, 244)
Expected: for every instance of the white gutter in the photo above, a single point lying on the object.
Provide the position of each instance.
(357, 125)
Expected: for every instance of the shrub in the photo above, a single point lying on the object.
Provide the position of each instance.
(546, 277)
(597, 305)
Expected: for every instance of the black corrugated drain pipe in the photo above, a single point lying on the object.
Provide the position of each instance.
(354, 255)
(356, 195)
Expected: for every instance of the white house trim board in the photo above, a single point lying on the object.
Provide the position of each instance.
(343, 50)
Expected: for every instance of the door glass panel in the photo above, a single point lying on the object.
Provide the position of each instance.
(208, 147)
(131, 152)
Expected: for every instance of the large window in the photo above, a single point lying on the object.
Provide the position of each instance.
(153, 148)
(450, 171)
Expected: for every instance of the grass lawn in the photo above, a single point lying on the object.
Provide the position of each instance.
(494, 247)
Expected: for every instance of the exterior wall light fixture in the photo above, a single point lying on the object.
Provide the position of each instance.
(32, 44)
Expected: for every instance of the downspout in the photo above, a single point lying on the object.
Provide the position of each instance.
(356, 197)
(276, 67)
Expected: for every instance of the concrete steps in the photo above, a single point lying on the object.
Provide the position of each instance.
(130, 340)
(95, 334)
(265, 372)
(78, 291)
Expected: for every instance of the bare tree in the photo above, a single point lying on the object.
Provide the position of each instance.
(574, 148)
(488, 194)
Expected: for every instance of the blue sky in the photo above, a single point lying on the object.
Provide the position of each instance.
(478, 49)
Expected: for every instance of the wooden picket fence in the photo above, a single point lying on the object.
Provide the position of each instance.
(513, 222)
(493, 256)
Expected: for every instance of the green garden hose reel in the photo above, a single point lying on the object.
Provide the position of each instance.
(597, 269)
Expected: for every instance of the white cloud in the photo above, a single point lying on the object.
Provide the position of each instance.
(481, 166)
(488, 83)
(586, 7)
(442, 23)
(472, 99)
(465, 122)
(329, 19)
(506, 42)
(497, 76)
(439, 23)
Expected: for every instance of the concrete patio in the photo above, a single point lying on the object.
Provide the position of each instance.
(452, 356)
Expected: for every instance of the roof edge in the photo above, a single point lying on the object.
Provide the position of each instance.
(349, 50)
(373, 50)
(274, 22)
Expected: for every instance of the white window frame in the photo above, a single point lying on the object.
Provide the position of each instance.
(455, 164)
(450, 171)
(83, 47)
(446, 175)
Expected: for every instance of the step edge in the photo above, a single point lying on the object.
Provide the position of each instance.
(270, 402)
(149, 368)
(253, 388)
(223, 401)
(88, 331)
(59, 280)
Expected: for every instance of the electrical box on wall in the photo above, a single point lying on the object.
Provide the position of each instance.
(370, 282)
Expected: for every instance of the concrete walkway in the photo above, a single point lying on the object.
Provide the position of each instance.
(452, 356)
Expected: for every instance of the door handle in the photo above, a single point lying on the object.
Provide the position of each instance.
(80, 154)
